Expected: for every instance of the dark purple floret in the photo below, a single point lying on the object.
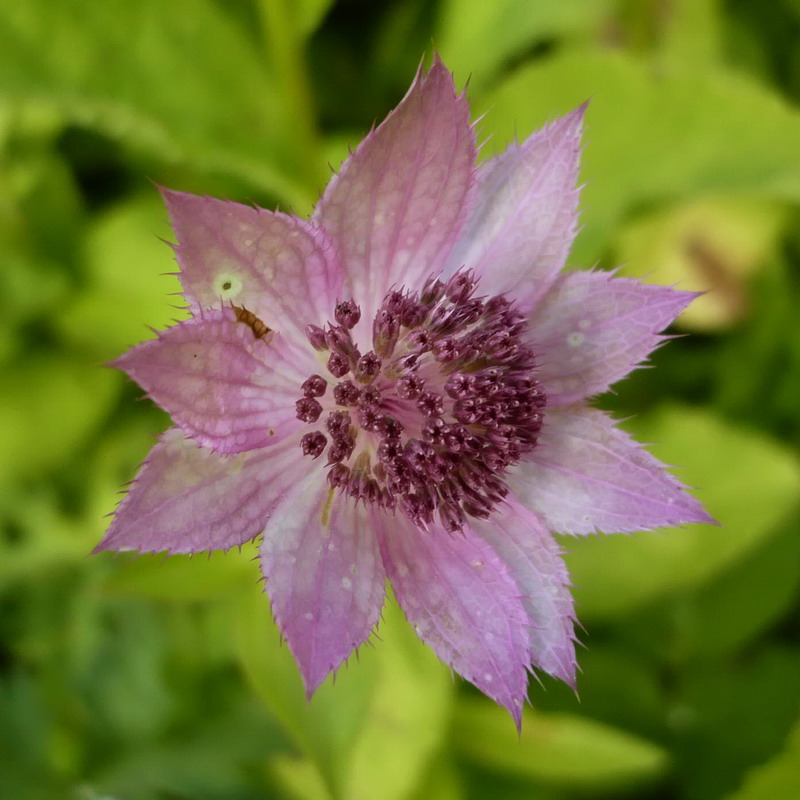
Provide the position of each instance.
(346, 393)
(314, 386)
(338, 365)
(347, 314)
(314, 444)
(316, 336)
(442, 406)
(308, 409)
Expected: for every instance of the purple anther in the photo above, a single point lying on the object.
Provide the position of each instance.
(338, 365)
(314, 386)
(308, 409)
(347, 313)
(313, 444)
(316, 336)
(367, 367)
(346, 393)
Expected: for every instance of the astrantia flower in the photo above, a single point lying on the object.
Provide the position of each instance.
(397, 388)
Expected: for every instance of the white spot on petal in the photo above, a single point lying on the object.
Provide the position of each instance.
(227, 285)
(347, 583)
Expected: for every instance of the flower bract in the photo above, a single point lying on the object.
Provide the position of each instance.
(397, 388)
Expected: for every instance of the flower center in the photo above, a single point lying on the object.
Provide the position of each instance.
(432, 417)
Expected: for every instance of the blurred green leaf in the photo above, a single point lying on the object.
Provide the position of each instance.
(216, 758)
(46, 539)
(308, 14)
(712, 245)
(179, 80)
(778, 778)
(327, 727)
(127, 285)
(374, 730)
(48, 408)
(441, 781)
(726, 613)
(407, 718)
(616, 686)
(561, 750)
(731, 716)
(183, 579)
(748, 482)
(691, 36)
(298, 777)
(652, 136)
(476, 39)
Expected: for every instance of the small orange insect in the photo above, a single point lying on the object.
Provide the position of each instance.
(260, 330)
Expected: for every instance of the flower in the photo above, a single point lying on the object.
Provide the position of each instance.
(397, 388)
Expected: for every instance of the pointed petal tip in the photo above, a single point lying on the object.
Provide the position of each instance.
(312, 679)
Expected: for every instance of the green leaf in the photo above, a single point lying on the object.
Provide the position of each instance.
(128, 288)
(712, 245)
(308, 14)
(177, 80)
(652, 136)
(561, 750)
(327, 727)
(692, 35)
(441, 781)
(476, 38)
(726, 613)
(407, 717)
(731, 716)
(298, 778)
(183, 579)
(778, 778)
(48, 407)
(748, 482)
(616, 686)
(370, 733)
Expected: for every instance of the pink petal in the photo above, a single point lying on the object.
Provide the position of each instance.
(592, 329)
(223, 386)
(586, 475)
(463, 602)
(397, 205)
(281, 268)
(323, 574)
(525, 217)
(534, 560)
(186, 499)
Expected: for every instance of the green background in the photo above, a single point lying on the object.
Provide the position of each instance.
(164, 679)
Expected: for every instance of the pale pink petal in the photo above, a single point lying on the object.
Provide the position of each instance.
(525, 216)
(462, 601)
(186, 499)
(534, 559)
(324, 575)
(586, 475)
(224, 387)
(397, 205)
(592, 329)
(281, 268)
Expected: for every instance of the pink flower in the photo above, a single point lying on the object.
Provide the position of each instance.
(418, 410)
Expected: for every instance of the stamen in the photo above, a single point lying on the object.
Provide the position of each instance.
(446, 402)
(347, 314)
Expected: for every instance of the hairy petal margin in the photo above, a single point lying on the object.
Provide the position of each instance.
(324, 575)
(586, 476)
(462, 601)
